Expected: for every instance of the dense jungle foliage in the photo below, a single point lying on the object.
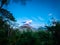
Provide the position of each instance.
(16, 37)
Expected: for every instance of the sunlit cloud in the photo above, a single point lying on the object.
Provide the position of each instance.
(28, 22)
(20, 20)
(24, 20)
(31, 21)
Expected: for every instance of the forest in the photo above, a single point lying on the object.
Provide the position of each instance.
(11, 36)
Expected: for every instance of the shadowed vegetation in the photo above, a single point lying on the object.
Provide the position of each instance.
(16, 37)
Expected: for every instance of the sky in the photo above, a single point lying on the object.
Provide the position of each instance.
(39, 11)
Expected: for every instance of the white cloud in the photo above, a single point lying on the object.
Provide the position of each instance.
(20, 20)
(33, 21)
(28, 21)
(24, 20)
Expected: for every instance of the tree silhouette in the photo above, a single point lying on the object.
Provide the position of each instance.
(5, 18)
(55, 30)
(4, 2)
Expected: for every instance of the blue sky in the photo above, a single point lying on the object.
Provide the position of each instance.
(39, 11)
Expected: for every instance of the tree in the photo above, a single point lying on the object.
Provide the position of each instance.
(4, 2)
(55, 30)
(5, 18)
